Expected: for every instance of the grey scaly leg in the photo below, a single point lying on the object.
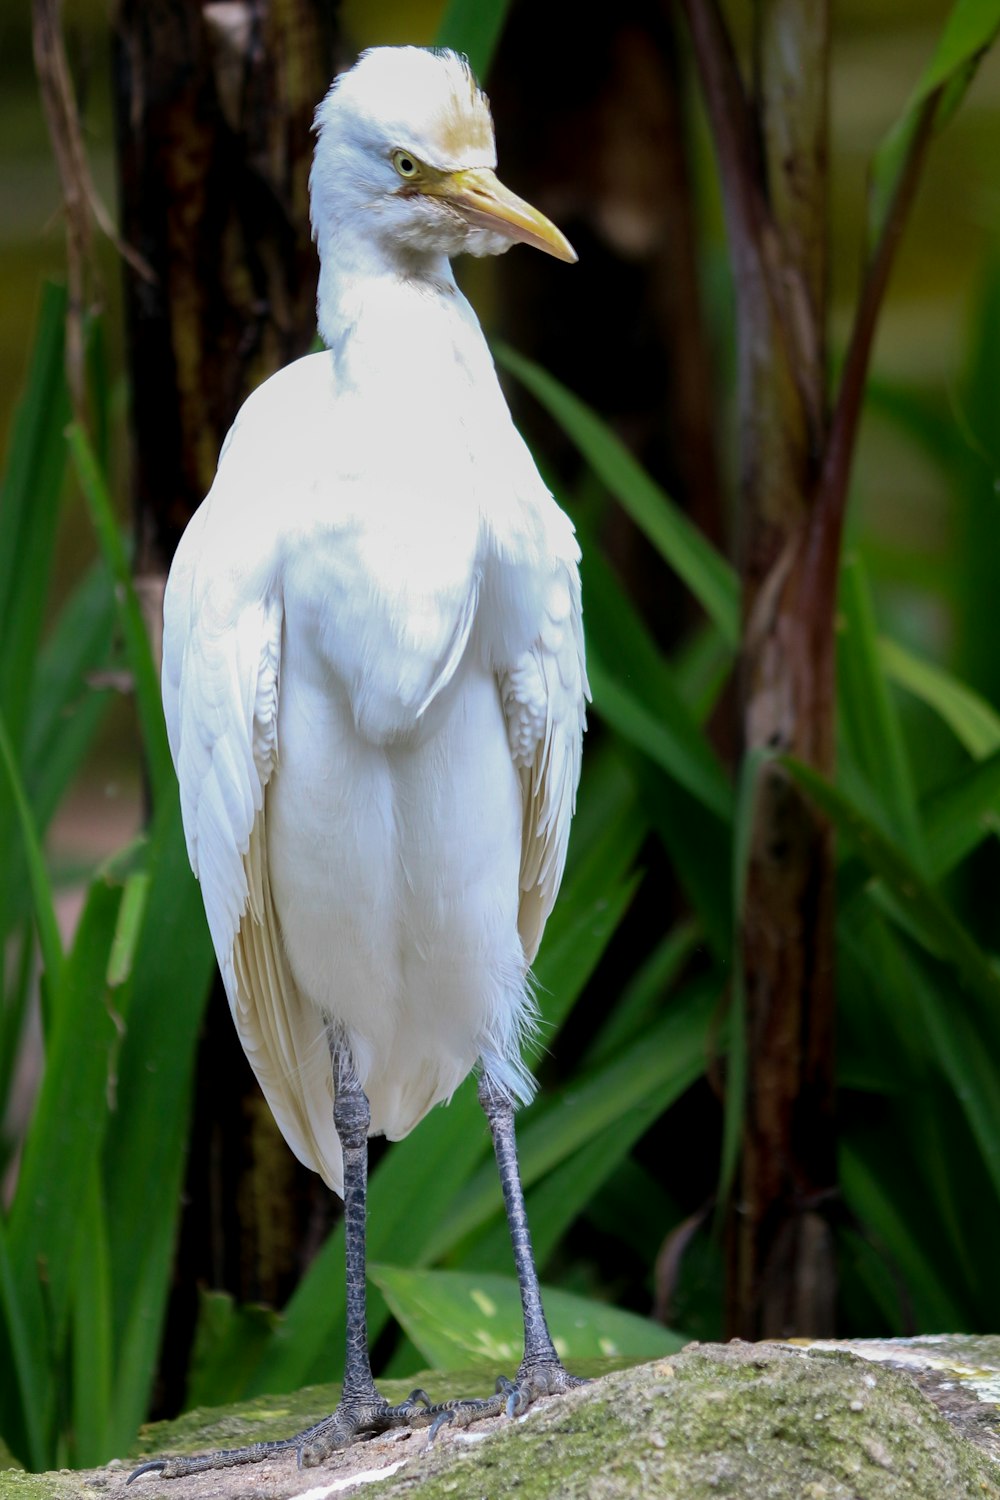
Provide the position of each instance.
(361, 1411)
(541, 1371)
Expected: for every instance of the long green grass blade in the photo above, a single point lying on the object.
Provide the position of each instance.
(959, 815)
(24, 1374)
(664, 1063)
(693, 767)
(473, 27)
(973, 721)
(868, 717)
(128, 928)
(624, 657)
(69, 1119)
(869, 1193)
(927, 916)
(229, 1341)
(140, 656)
(562, 1195)
(699, 847)
(92, 1354)
(969, 30)
(49, 940)
(707, 574)
(644, 996)
(971, 475)
(16, 1000)
(970, 1067)
(163, 996)
(65, 711)
(26, 1391)
(29, 508)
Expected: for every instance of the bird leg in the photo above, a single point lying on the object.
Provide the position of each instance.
(541, 1371)
(361, 1411)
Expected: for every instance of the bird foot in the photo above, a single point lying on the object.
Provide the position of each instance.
(354, 1418)
(366, 1416)
(513, 1397)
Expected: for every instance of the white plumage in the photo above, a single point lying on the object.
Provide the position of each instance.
(373, 668)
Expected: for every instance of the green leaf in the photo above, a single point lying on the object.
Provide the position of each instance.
(140, 656)
(457, 1319)
(925, 913)
(645, 992)
(563, 1194)
(65, 711)
(661, 1065)
(165, 959)
(676, 746)
(55, 1183)
(29, 510)
(595, 895)
(635, 690)
(868, 715)
(969, 30)
(699, 847)
(473, 27)
(869, 1193)
(92, 1352)
(970, 718)
(41, 889)
(229, 1340)
(969, 1066)
(24, 1361)
(707, 574)
(127, 928)
(958, 816)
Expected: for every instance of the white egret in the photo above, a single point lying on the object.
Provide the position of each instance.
(374, 688)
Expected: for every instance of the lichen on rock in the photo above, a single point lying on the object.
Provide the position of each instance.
(744, 1421)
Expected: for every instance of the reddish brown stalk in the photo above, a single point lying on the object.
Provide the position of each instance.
(794, 477)
(820, 564)
(81, 201)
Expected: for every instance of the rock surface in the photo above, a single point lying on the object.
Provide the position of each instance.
(750, 1422)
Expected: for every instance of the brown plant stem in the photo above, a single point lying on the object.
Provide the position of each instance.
(81, 201)
(832, 490)
(795, 468)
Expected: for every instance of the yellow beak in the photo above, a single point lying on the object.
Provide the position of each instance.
(481, 197)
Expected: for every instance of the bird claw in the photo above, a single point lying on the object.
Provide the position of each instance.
(365, 1417)
(543, 1378)
(356, 1419)
(512, 1398)
(353, 1419)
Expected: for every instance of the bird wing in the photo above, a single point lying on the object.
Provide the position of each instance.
(221, 676)
(544, 696)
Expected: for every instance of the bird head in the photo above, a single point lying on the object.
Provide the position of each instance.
(406, 153)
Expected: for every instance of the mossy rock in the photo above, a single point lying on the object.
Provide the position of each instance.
(749, 1422)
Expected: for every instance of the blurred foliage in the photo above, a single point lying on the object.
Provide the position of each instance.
(86, 1240)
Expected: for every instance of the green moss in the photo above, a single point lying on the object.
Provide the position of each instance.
(747, 1422)
(739, 1421)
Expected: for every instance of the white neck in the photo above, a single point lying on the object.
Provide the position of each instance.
(355, 269)
(394, 320)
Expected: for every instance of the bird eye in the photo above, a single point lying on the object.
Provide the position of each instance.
(404, 164)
